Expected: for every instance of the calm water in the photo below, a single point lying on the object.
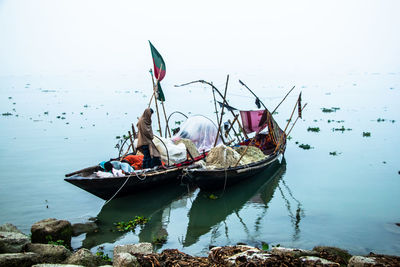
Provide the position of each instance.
(59, 124)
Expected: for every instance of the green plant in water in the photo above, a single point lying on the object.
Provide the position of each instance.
(366, 134)
(100, 253)
(313, 129)
(212, 196)
(159, 240)
(264, 246)
(333, 153)
(305, 146)
(131, 225)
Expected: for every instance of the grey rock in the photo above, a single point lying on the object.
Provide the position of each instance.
(49, 253)
(83, 257)
(12, 242)
(124, 259)
(19, 259)
(80, 228)
(56, 265)
(141, 248)
(316, 261)
(8, 227)
(294, 252)
(360, 261)
(53, 228)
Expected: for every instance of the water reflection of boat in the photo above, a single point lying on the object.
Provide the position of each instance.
(150, 205)
(206, 212)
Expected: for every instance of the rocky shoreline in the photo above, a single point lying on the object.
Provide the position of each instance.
(50, 245)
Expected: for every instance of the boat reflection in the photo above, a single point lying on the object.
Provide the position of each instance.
(206, 213)
(148, 204)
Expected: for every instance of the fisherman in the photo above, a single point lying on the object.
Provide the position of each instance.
(151, 156)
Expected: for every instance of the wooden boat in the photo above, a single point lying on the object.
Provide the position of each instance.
(106, 188)
(273, 145)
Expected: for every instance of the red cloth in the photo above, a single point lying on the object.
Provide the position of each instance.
(135, 161)
(251, 119)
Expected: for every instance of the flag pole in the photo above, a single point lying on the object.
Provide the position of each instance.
(155, 101)
(162, 104)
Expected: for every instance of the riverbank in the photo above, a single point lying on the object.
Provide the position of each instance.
(50, 243)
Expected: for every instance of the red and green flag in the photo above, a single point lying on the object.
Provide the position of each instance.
(159, 70)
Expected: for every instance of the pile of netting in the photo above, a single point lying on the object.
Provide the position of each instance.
(253, 154)
(224, 157)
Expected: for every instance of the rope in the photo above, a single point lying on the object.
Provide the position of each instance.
(129, 176)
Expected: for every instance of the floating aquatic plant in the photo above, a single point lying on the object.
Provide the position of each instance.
(313, 129)
(305, 146)
(329, 110)
(131, 225)
(366, 134)
(7, 114)
(342, 129)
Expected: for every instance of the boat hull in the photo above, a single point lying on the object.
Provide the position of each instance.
(106, 188)
(215, 179)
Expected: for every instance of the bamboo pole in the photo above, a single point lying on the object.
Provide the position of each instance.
(284, 131)
(155, 101)
(133, 131)
(166, 122)
(130, 137)
(242, 83)
(296, 119)
(282, 100)
(222, 111)
(216, 89)
(215, 105)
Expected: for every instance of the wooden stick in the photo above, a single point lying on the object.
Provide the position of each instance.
(130, 137)
(222, 112)
(296, 119)
(215, 105)
(133, 131)
(216, 89)
(272, 113)
(284, 131)
(83, 170)
(165, 117)
(242, 83)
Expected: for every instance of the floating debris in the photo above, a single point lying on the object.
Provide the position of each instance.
(7, 114)
(313, 129)
(366, 134)
(334, 153)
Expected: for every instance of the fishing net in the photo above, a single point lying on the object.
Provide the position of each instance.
(253, 154)
(222, 157)
(200, 130)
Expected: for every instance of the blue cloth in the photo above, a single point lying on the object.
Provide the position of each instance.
(122, 166)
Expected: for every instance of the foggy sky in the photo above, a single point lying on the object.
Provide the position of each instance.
(53, 37)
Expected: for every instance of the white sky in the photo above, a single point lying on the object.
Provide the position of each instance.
(58, 37)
